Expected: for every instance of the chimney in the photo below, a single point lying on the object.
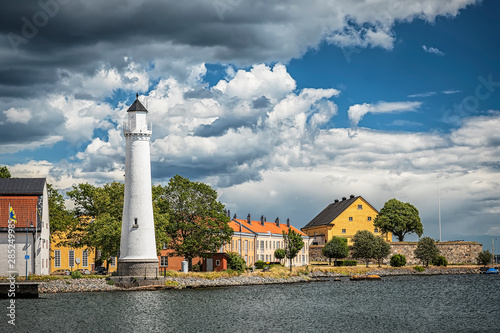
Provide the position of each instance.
(248, 219)
(277, 221)
(229, 213)
(336, 200)
(288, 223)
(262, 220)
(234, 216)
(352, 196)
(344, 198)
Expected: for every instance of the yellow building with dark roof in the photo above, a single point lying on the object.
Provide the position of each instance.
(343, 218)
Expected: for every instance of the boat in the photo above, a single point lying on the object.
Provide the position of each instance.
(491, 271)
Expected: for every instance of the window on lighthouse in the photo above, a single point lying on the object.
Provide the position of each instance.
(136, 225)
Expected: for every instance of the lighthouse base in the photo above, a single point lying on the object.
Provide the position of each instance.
(138, 268)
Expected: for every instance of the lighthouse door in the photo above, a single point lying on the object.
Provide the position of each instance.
(210, 264)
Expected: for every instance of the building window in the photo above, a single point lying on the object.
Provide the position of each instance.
(239, 246)
(350, 219)
(369, 218)
(262, 247)
(217, 263)
(113, 261)
(376, 230)
(57, 258)
(246, 259)
(164, 246)
(246, 246)
(164, 261)
(343, 231)
(85, 258)
(71, 258)
(360, 206)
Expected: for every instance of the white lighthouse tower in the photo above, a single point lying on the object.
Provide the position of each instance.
(138, 245)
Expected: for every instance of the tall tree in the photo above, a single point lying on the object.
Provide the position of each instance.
(364, 245)
(382, 249)
(426, 250)
(60, 218)
(198, 223)
(336, 248)
(4, 172)
(293, 243)
(399, 218)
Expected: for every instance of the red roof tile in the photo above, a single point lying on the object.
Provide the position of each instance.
(24, 208)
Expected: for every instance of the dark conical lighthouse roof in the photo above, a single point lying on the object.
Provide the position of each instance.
(137, 105)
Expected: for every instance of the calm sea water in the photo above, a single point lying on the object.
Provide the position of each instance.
(456, 303)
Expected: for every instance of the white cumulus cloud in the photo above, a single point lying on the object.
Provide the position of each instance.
(356, 112)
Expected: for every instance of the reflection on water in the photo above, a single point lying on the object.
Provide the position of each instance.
(458, 303)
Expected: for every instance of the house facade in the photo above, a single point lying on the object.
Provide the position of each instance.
(267, 238)
(24, 227)
(72, 258)
(343, 218)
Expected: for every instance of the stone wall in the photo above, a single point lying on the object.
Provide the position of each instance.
(454, 252)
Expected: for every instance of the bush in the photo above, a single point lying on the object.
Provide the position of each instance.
(419, 268)
(484, 258)
(235, 262)
(440, 261)
(398, 260)
(76, 275)
(259, 264)
(345, 263)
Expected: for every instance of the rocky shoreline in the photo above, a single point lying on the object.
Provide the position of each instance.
(181, 282)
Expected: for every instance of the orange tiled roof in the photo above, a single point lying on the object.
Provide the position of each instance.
(256, 226)
(24, 208)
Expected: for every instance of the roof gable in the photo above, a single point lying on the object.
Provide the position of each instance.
(332, 211)
(137, 105)
(22, 186)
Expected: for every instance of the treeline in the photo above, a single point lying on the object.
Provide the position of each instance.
(188, 218)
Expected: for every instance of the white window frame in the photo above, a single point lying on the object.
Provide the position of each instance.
(164, 261)
(57, 258)
(85, 258)
(71, 258)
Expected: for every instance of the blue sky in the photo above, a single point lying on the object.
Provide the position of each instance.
(282, 107)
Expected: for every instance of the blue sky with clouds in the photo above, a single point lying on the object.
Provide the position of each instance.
(282, 107)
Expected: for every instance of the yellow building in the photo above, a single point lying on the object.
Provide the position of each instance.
(343, 218)
(72, 258)
(243, 243)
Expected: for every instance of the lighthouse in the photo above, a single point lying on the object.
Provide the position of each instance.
(138, 245)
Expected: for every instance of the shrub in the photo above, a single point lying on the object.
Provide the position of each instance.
(235, 262)
(440, 261)
(419, 268)
(398, 260)
(259, 264)
(110, 282)
(76, 275)
(345, 263)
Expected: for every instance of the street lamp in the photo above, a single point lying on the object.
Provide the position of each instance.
(27, 256)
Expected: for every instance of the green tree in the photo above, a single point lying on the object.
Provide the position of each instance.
(104, 234)
(293, 243)
(60, 218)
(236, 262)
(426, 250)
(399, 218)
(336, 248)
(364, 245)
(198, 223)
(382, 249)
(280, 254)
(4, 172)
(484, 257)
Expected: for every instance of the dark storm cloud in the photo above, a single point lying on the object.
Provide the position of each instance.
(38, 39)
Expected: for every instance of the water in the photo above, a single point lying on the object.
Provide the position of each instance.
(447, 303)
